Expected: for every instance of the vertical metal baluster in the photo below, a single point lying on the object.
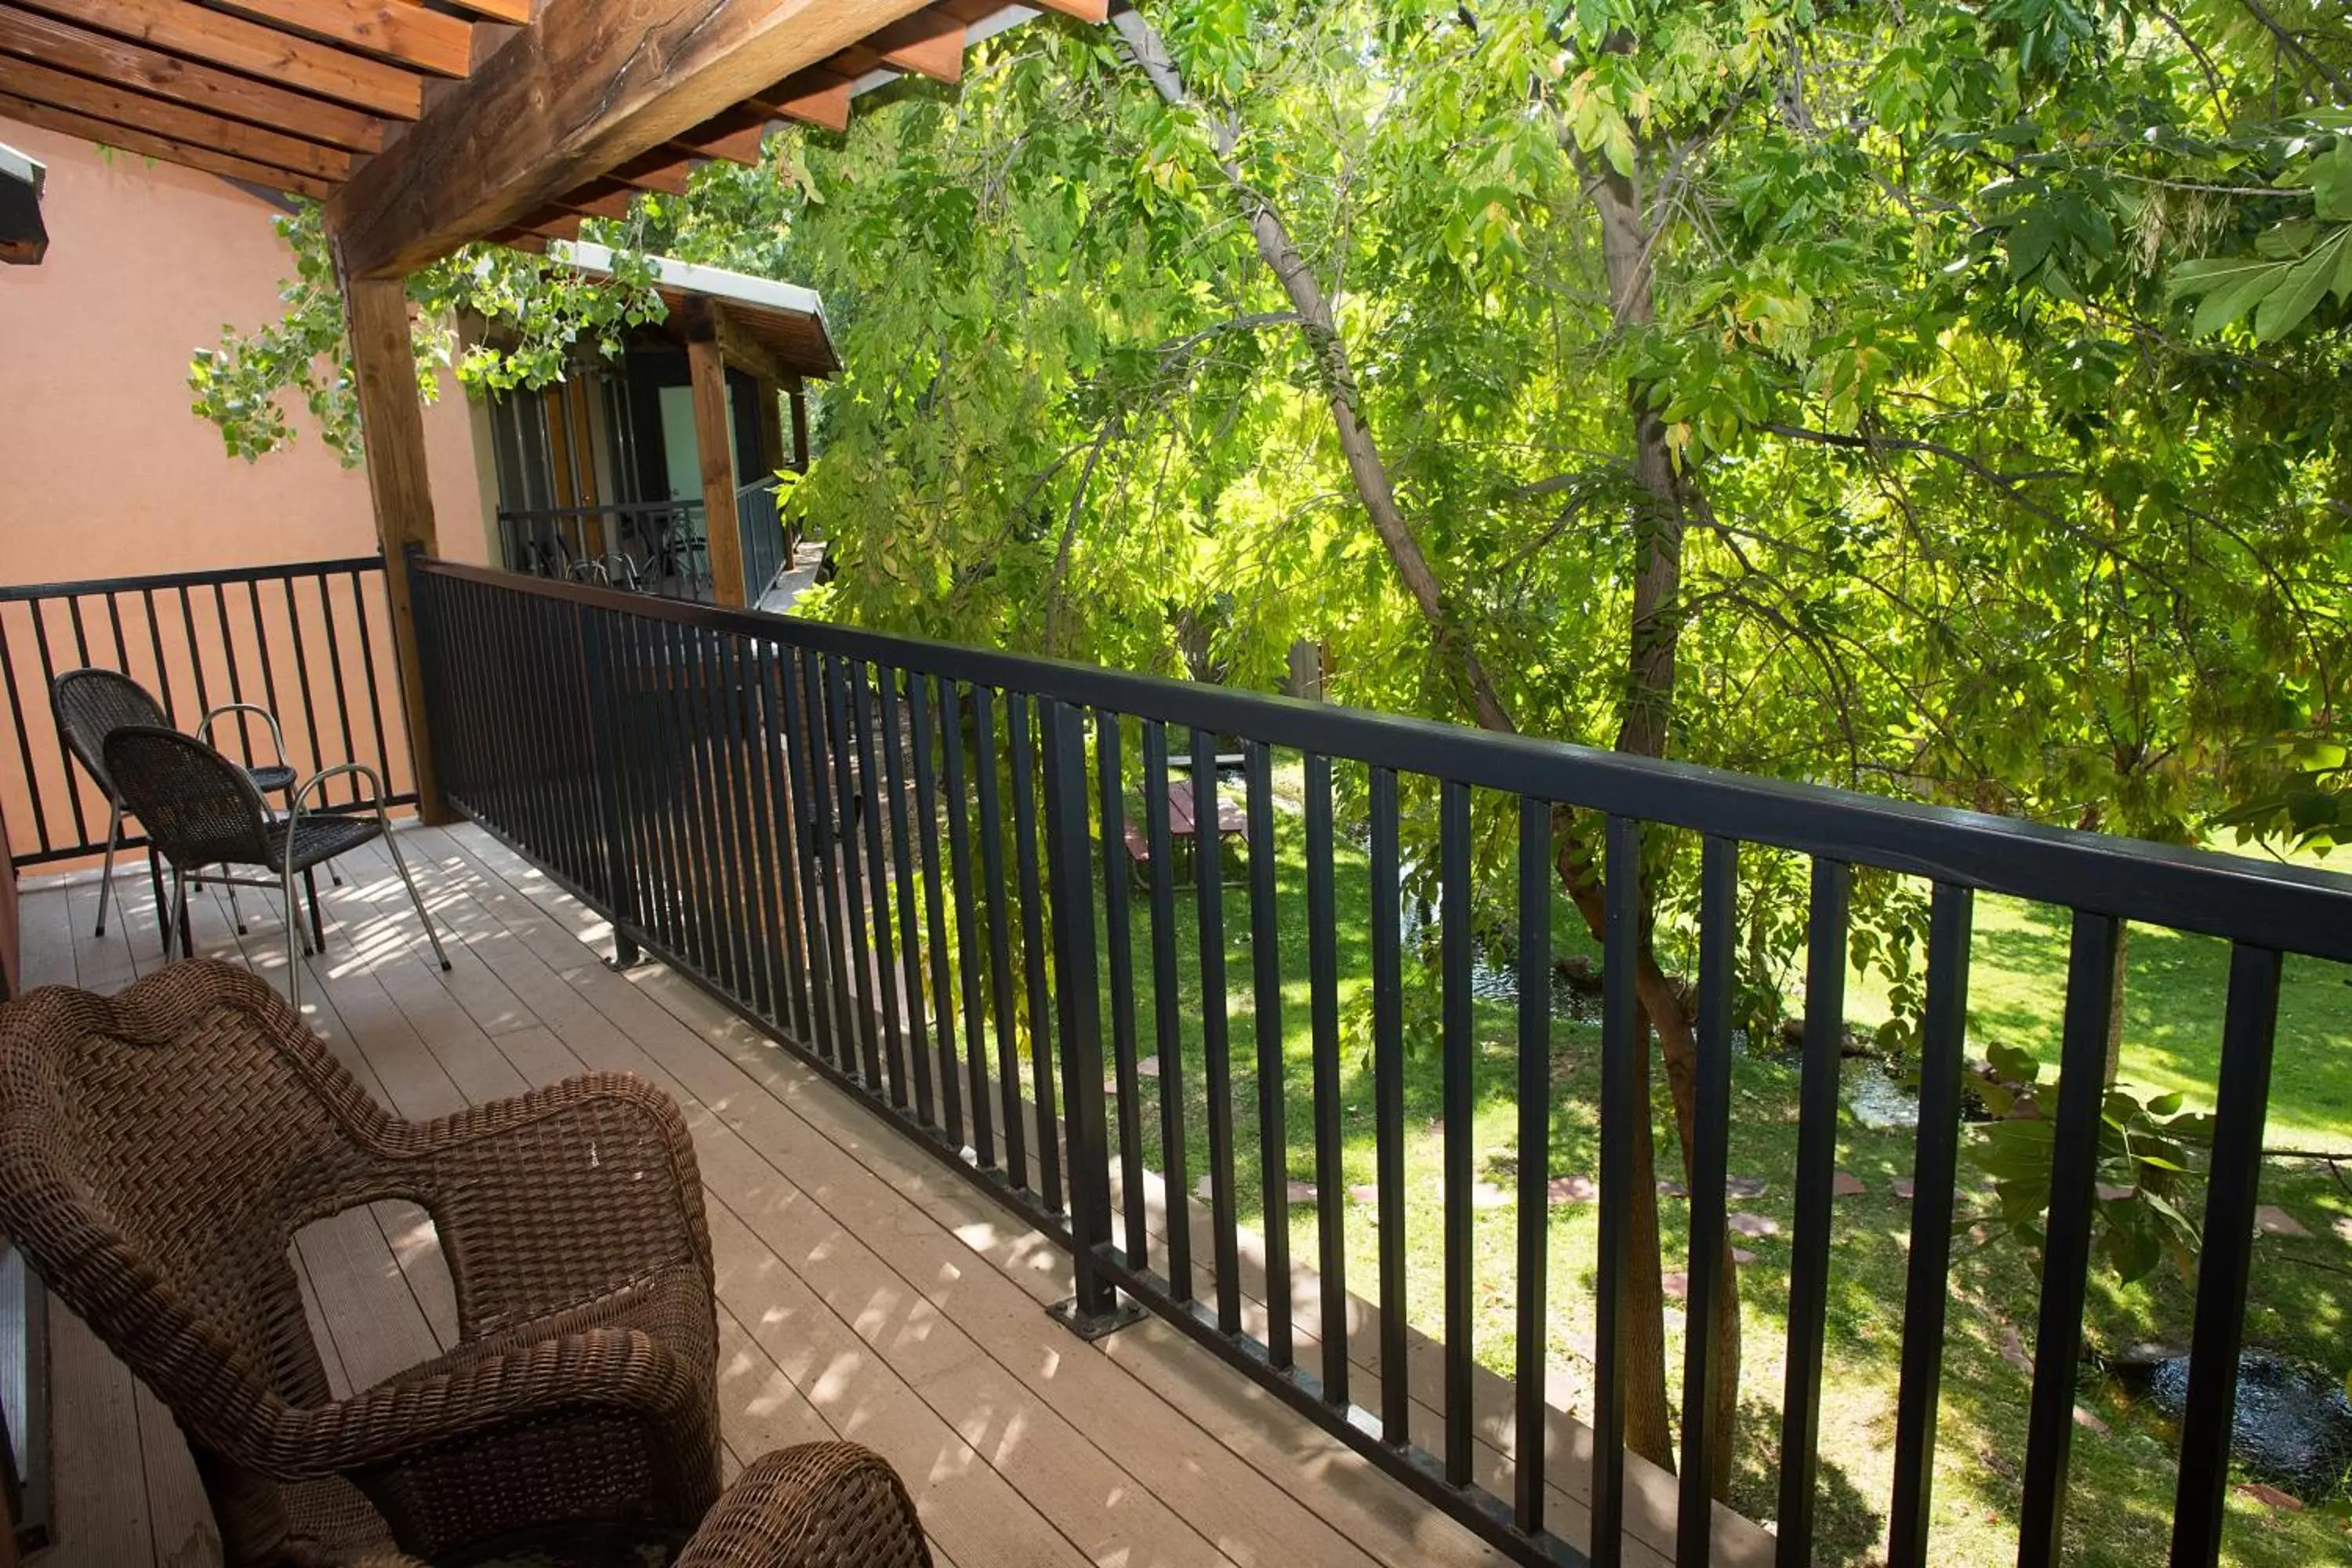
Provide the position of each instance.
(641, 843)
(1166, 1018)
(885, 961)
(779, 718)
(302, 674)
(858, 936)
(727, 819)
(1323, 1015)
(935, 917)
(1272, 1131)
(2066, 1251)
(1809, 1250)
(48, 684)
(1000, 941)
(1531, 1354)
(1387, 1103)
(886, 965)
(335, 663)
(756, 865)
(367, 660)
(910, 931)
(805, 716)
(1622, 1056)
(1459, 1097)
(1032, 945)
(690, 817)
(2233, 1185)
(1719, 935)
(1215, 1044)
(1934, 1165)
(1079, 1005)
(968, 933)
(771, 816)
(1119, 936)
(33, 790)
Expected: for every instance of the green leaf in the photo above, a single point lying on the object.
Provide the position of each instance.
(2331, 184)
(2016, 1064)
(2284, 306)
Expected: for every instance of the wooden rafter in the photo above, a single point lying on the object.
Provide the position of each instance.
(581, 89)
(214, 38)
(165, 148)
(393, 29)
(135, 68)
(191, 127)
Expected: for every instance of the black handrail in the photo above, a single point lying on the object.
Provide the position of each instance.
(311, 641)
(751, 796)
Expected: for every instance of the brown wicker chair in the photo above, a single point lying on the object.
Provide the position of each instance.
(821, 1505)
(158, 1151)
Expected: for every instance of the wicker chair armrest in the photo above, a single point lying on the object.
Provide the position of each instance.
(554, 1197)
(821, 1505)
(448, 1405)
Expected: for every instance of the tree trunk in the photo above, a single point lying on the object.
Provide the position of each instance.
(1648, 1423)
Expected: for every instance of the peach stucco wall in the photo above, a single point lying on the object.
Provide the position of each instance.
(106, 472)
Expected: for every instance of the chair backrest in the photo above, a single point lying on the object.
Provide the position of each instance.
(157, 1151)
(198, 807)
(90, 705)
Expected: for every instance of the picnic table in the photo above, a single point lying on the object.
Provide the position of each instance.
(1184, 826)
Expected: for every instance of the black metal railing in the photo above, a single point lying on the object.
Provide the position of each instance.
(311, 642)
(761, 525)
(913, 864)
(645, 547)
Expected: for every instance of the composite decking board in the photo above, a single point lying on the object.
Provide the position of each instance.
(101, 1508)
(1023, 1444)
(1213, 1484)
(180, 1519)
(761, 1220)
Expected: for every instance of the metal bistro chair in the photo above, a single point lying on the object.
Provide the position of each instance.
(92, 704)
(201, 809)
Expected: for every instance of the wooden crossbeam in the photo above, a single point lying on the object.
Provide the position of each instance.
(139, 111)
(516, 13)
(582, 88)
(133, 67)
(928, 43)
(734, 133)
(396, 30)
(214, 38)
(132, 140)
(601, 198)
(1084, 10)
(815, 97)
(663, 169)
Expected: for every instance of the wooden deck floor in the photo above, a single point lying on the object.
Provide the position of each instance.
(863, 1290)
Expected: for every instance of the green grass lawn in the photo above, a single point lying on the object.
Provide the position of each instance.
(2122, 1470)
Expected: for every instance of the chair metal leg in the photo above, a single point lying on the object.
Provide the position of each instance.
(400, 864)
(180, 915)
(163, 904)
(318, 928)
(293, 938)
(106, 877)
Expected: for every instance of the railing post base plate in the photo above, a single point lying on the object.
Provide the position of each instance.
(1093, 1326)
(626, 955)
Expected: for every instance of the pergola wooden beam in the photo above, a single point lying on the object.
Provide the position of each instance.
(133, 67)
(396, 30)
(148, 145)
(217, 39)
(585, 87)
(815, 97)
(137, 110)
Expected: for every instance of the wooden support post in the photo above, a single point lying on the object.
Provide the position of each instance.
(800, 427)
(391, 429)
(772, 425)
(707, 367)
